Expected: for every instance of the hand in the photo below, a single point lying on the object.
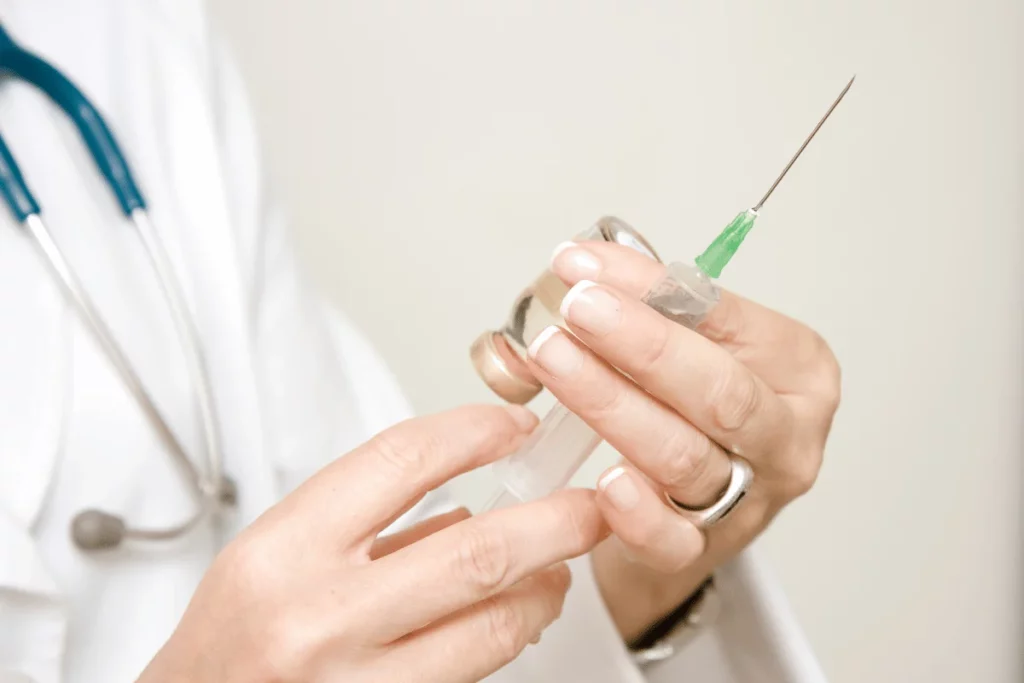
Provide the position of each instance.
(752, 381)
(308, 593)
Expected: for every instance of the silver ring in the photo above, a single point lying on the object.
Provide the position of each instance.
(740, 479)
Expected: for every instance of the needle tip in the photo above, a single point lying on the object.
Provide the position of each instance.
(835, 103)
(842, 94)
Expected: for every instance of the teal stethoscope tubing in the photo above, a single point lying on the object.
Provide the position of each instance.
(95, 529)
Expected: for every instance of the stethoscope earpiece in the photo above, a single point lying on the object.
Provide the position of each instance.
(97, 530)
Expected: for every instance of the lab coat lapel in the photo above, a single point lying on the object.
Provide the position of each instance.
(176, 160)
(34, 357)
(189, 206)
(35, 372)
(34, 364)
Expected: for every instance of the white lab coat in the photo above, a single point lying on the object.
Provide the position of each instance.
(294, 384)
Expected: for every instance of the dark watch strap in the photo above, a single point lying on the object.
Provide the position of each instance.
(661, 629)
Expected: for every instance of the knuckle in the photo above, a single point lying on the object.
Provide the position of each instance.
(830, 380)
(287, 637)
(577, 528)
(484, 559)
(642, 532)
(245, 560)
(287, 650)
(485, 427)
(556, 588)
(815, 355)
(464, 434)
(561, 577)
(506, 629)
(734, 398)
(605, 404)
(802, 475)
(684, 457)
(403, 453)
(672, 561)
(804, 346)
(656, 347)
(726, 323)
(645, 535)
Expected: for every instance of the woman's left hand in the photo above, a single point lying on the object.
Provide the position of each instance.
(752, 382)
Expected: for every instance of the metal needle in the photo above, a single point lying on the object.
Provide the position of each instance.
(757, 207)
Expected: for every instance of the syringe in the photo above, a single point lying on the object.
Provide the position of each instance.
(557, 448)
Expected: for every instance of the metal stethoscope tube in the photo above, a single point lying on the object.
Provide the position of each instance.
(95, 529)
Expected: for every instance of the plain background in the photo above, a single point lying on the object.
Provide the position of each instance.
(432, 153)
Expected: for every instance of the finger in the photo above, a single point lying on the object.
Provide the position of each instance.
(651, 532)
(385, 545)
(626, 269)
(691, 374)
(481, 557)
(644, 430)
(481, 639)
(358, 496)
(787, 355)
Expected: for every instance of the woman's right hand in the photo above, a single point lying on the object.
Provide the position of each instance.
(308, 593)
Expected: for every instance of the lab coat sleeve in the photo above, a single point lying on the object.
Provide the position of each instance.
(755, 638)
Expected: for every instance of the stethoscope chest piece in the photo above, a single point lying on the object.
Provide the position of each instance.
(93, 529)
(97, 530)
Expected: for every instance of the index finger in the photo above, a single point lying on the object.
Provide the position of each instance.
(774, 346)
(360, 494)
(480, 557)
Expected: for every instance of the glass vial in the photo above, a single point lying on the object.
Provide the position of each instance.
(499, 356)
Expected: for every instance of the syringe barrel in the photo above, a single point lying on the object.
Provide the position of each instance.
(550, 455)
(563, 441)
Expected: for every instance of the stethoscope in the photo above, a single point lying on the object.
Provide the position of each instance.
(95, 529)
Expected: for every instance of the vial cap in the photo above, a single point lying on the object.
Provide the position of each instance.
(494, 370)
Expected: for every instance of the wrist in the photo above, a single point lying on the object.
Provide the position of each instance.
(674, 632)
(637, 597)
(166, 667)
(184, 658)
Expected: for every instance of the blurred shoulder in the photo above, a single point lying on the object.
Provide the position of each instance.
(88, 36)
(166, 85)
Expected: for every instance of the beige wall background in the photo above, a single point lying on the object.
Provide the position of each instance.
(432, 153)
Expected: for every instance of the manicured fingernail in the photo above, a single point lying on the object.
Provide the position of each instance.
(620, 489)
(573, 263)
(592, 308)
(555, 353)
(523, 417)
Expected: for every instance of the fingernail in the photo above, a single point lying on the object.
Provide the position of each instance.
(592, 308)
(536, 639)
(573, 263)
(619, 489)
(523, 417)
(555, 353)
